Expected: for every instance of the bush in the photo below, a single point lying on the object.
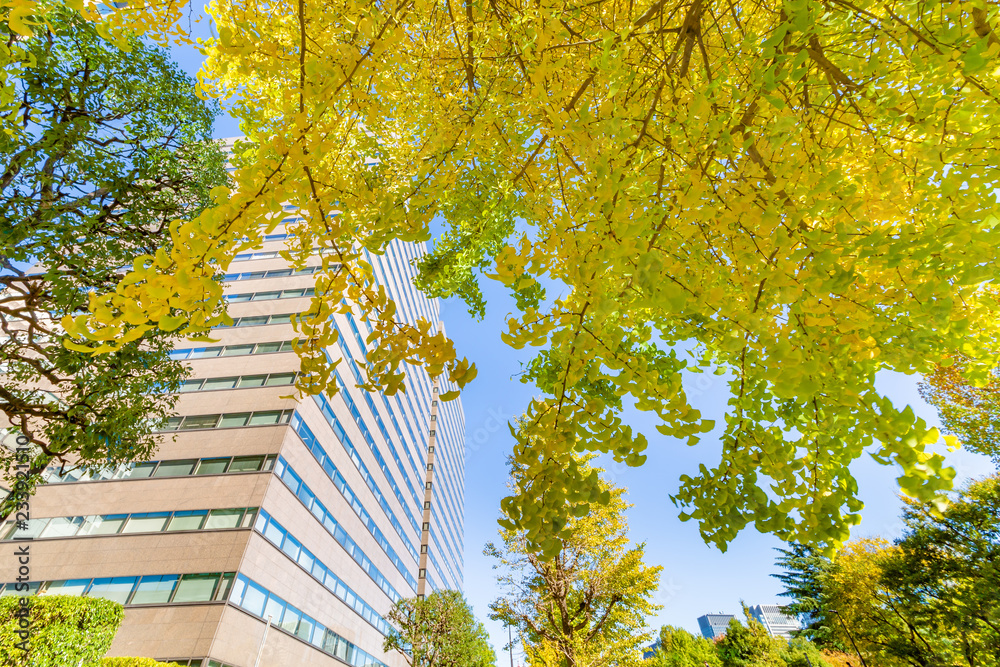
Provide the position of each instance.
(62, 630)
(134, 662)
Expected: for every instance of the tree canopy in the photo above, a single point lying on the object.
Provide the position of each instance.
(587, 606)
(107, 146)
(800, 194)
(928, 599)
(969, 410)
(439, 631)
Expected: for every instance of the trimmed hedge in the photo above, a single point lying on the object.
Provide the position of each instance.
(61, 631)
(134, 662)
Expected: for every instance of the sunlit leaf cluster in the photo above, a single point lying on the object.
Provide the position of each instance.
(800, 192)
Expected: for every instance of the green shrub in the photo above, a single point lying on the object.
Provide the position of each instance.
(62, 631)
(134, 662)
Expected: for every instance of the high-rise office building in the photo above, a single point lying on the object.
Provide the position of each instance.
(267, 525)
(714, 625)
(777, 623)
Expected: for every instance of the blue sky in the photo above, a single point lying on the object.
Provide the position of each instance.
(696, 579)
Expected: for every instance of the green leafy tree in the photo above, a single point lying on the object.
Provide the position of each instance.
(747, 645)
(108, 148)
(677, 647)
(63, 630)
(969, 407)
(947, 568)
(586, 606)
(438, 631)
(800, 652)
(804, 568)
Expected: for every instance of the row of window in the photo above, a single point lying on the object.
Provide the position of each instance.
(366, 434)
(312, 443)
(148, 589)
(323, 515)
(169, 468)
(271, 295)
(122, 524)
(262, 603)
(274, 273)
(274, 254)
(320, 454)
(258, 321)
(238, 382)
(231, 350)
(279, 537)
(371, 404)
(229, 420)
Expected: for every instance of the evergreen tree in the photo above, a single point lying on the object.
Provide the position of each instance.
(804, 568)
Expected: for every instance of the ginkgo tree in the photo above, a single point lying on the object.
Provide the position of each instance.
(800, 193)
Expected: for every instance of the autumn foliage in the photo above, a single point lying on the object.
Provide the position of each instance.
(799, 194)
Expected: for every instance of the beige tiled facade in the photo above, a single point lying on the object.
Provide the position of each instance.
(220, 629)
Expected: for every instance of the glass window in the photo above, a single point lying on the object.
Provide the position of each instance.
(237, 298)
(205, 352)
(70, 587)
(279, 273)
(273, 608)
(62, 527)
(224, 585)
(196, 587)
(152, 522)
(175, 468)
(264, 348)
(191, 520)
(237, 350)
(248, 518)
(278, 379)
(246, 464)
(304, 631)
(266, 296)
(234, 419)
(291, 547)
(286, 346)
(252, 321)
(219, 383)
(290, 619)
(265, 418)
(109, 524)
(212, 466)
(273, 533)
(239, 589)
(252, 381)
(280, 319)
(173, 423)
(116, 588)
(292, 293)
(191, 385)
(154, 589)
(142, 470)
(223, 519)
(199, 421)
(306, 560)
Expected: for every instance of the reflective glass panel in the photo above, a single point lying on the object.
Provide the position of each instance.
(175, 468)
(196, 588)
(154, 589)
(192, 520)
(212, 466)
(223, 519)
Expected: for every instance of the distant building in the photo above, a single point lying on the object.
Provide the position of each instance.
(778, 623)
(714, 625)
